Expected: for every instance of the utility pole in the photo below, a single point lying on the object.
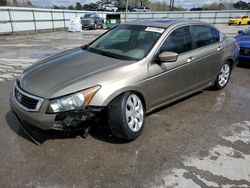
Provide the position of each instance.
(126, 12)
(171, 5)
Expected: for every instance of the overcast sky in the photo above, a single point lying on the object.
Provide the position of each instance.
(181, 3)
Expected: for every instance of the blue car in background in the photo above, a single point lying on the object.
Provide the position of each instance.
(243, 38)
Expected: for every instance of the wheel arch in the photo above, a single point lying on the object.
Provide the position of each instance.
(231, 62)
(112, 96)
(138, 93)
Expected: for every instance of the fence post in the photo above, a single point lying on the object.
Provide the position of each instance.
(215, 18)
(34, 20)
(52, 21)
(200, 15)
(64, 21)
(11, 22)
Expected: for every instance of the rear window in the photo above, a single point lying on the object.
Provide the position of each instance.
(204, 35)
(216, 34)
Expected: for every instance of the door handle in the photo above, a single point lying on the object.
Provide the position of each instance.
(190, 59)
(219, 48)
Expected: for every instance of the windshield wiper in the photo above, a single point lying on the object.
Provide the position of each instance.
(110, 54)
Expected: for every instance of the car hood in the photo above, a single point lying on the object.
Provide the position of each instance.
(65, 69)
(87, 19)
(244, 40)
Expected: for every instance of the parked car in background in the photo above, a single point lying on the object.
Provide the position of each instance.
(239, 20)
(129, 71)
(92, 21)
(110, 8)
(243, 38)
(141, 9)
(91, 7)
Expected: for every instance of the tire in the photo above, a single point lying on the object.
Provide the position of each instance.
(102, 26)
(248, 23)
(239, 23)
(223, 76)
(126, 116)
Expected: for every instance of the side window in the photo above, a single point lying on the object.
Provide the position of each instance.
(216, 34)
(178, 41)
(203, 35)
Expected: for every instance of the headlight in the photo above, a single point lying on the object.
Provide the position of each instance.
(72, 102)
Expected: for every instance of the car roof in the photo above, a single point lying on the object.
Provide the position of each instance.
(164, 22)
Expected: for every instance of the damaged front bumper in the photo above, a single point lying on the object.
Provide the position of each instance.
(60, 121)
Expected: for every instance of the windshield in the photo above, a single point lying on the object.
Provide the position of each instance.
(129, 42)
(88, 16)
(247, 31)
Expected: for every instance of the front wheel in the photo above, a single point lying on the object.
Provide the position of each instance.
(223, 77)
(126, 116)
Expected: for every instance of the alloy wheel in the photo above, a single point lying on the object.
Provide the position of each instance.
(134, 113)
(224, 75)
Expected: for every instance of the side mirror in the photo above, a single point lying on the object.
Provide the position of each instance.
(85, 47)
(240, 32)
(167, 57)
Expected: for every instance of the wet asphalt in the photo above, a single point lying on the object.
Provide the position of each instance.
(189, 128)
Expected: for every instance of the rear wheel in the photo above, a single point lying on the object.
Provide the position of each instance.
(102, 26)
(223, 77)
(126, 116)
(239, 23)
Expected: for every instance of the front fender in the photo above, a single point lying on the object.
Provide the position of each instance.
(105, 96)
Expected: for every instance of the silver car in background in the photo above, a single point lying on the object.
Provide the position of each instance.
(127, 72)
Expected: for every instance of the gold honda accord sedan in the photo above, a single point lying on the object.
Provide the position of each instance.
(127, 72)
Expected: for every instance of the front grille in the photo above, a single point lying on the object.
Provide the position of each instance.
(245, 51)
(85, 22)
(26, 101)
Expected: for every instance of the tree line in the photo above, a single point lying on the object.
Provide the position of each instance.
(240, 5)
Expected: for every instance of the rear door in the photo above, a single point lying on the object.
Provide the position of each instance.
(208, 53)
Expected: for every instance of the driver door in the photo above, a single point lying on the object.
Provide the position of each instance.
(170, 80)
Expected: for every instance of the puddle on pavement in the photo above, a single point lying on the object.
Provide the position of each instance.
(224, 167)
